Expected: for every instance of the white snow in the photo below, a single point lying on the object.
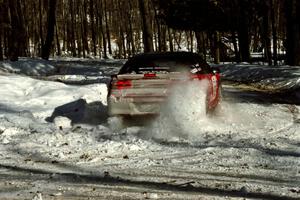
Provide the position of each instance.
(56, 140)
(19, 93)
(269, 78)
(32, 67)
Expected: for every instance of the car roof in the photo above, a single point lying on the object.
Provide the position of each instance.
(148, 57)
(166, 55)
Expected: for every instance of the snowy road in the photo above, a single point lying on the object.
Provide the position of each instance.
(251, 149)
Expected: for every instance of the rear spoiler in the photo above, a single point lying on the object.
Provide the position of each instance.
(141, 76)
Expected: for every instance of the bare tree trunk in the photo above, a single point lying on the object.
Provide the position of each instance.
(199, 42)
(93, 27)
(274, 32)
(216, 47)
(204, 44)
(78, 30)
(256, 39)
(146, 26)
(159, 37)
(107, 28)
(235, 46)
(133, 49)
(72, 31)
(6, 45)
(266, 33)
(192, 41)
(243, 32)
(161, 33)
(46, 49)
(1, 30)
(15, 32)
(41, 25)
(81, 33)
(1, 46)
(64, 30)
(5, 29)
(293, 32)
(85, 33)
(100, 18)
(23, 37)
(123, 43)
(171, 44)
(57, 42)
(131, 45)
(201, 47)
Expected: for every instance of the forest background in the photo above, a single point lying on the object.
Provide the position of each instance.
(219, 30)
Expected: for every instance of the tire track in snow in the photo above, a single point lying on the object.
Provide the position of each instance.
(295, 112)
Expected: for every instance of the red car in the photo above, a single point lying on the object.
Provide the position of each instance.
(143, 83)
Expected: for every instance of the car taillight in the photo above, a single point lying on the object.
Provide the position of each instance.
(149, 75)
(123, 84)
(198, 77)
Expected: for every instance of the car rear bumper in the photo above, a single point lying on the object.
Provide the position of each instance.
(124, 106)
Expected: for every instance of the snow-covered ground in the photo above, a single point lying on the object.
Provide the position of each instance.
(268, 78)
(57, 142)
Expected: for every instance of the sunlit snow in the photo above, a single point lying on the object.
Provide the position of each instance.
(54, 131)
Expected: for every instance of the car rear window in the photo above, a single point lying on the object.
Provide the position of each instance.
(165, 64)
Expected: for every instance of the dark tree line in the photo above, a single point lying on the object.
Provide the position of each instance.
(254, 25)
(218, 29)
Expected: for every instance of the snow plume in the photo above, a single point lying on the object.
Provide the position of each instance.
(184, 117)
(184, 112)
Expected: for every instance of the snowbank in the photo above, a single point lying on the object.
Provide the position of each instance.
(28, 66)
(41, 98)
(66, 70)
(89, 71)
(268, 78)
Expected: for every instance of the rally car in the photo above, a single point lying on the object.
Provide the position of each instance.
(143, 84)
